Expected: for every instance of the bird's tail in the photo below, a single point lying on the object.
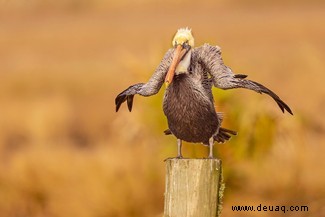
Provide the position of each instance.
(222, 136)
(168, 132)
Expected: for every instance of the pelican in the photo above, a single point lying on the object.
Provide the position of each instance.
(189, 74)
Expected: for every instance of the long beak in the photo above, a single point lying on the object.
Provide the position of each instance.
(178, 56)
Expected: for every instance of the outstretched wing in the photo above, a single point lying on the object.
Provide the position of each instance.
(146, 89)
(224, 78)
(252, 85)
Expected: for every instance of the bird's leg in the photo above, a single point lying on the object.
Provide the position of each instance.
(179, 149)
(211, 141)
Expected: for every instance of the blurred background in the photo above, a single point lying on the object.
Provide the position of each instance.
(65, 152)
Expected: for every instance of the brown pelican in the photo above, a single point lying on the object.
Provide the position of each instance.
(189, 74)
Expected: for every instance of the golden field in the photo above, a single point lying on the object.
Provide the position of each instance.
(65, 152)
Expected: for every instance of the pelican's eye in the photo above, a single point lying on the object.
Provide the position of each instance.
(186, 45)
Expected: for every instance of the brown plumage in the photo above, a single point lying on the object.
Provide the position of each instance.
(188, 102)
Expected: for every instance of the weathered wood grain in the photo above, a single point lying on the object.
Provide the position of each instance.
(194, 188)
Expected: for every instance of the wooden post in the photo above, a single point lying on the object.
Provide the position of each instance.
(194, 188)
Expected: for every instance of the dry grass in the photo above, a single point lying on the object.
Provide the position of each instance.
(65, 152)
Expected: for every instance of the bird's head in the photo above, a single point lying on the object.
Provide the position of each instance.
(182, 42)
(183, 37)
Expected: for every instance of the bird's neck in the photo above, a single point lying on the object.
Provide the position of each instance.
(184, 64)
